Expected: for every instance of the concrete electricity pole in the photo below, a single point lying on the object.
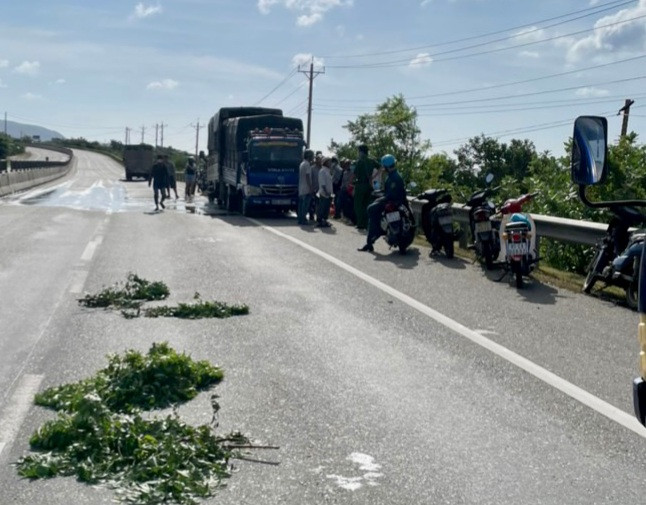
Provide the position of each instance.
(197, 135)
(143, 132)
(161, 144)
(310, 74)
(626, 110)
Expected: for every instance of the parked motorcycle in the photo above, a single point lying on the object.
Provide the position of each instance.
(437, 220)
(486, 240)
(398, 225)
(518, 238)
(616, 260)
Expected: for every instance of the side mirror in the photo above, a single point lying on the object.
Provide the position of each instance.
(590, 150)
(489, 178)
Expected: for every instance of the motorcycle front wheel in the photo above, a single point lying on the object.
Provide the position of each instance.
(594, 270)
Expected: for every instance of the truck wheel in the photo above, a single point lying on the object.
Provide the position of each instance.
(211, 197)
(232, 204)
(128, 176)
(245, 208)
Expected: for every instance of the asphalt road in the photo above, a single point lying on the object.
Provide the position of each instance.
(384, 379)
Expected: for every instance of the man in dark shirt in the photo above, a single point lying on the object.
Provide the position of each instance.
(362, 189)
(394, 191)
(159, 180)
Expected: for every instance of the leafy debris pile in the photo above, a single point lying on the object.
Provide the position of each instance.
(101, 437)
(130, 295)
(130, 298)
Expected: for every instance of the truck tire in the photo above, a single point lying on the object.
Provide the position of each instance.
(211, 197)
(232, 200)
(128, 176)
(244, 206)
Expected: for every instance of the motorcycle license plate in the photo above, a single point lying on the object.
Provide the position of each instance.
(445, 220)
(483, 226)
(517, 248)
(393, 217)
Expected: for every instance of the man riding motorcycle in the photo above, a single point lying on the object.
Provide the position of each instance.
(394, 191)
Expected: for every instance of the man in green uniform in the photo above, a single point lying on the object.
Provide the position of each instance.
(362, 189)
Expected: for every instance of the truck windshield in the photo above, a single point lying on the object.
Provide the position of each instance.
(267, 155)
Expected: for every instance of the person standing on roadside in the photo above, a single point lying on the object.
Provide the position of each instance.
(172, 183)
(190, 175)
(362, 186)
(316, 168)
(159, 179)
(342, 196)
(305, 186)
(326, 188)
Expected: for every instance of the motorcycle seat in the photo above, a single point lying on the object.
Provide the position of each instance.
(517, 226)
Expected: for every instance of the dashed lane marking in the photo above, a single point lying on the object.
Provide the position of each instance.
(16, 409)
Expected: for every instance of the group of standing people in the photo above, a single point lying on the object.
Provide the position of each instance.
(321, 179)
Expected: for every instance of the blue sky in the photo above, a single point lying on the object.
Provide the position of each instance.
(92, 69)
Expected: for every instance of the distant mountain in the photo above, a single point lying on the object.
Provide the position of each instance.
(18, 130)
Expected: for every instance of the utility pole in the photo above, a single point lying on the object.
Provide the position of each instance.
(310, 74)
(127, 135)
(156, 134)
(161, 144)
(626, 110)
(143, 132)
(5, 123)
(197, 135)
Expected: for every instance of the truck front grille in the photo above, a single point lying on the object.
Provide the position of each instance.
(279, 189)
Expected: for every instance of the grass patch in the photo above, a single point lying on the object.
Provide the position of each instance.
(131, 294)
(101, 437)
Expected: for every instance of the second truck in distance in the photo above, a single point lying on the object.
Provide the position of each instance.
(254, 155)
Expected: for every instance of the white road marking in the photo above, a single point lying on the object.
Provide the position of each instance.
(90, 249)
(622, 418)
(78, 281)
(17, 407)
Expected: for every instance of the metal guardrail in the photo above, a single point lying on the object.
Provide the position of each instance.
(557, 228)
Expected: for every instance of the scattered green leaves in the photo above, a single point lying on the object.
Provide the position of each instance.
(199, 310)
(128, 295)
(101, 437)
(158, 379)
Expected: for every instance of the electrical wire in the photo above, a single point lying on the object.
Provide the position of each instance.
(407, 61)
(287, 78)
(601, 8)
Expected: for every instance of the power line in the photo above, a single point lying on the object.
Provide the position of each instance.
(601, 8)
(407, 61)
(287, 78)
(298, 88)
(506, 84)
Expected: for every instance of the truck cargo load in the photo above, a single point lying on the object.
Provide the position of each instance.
(137, 160)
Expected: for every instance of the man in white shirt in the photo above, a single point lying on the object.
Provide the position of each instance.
(326, 188)
(305, 186)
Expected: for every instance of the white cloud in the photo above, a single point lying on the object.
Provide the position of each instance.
(2, 84)
(31, 96)
(531, 34)
(163, 84)
(529, 54)
(4, 63)
(305, 59)
(588, 92)
(629, 37)
(421, 60)
(143, 11)
(60, 81)
(310, 11)
(28, 68)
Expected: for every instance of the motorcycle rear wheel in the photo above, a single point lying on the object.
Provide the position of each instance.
(594, 270)
(488, 254)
